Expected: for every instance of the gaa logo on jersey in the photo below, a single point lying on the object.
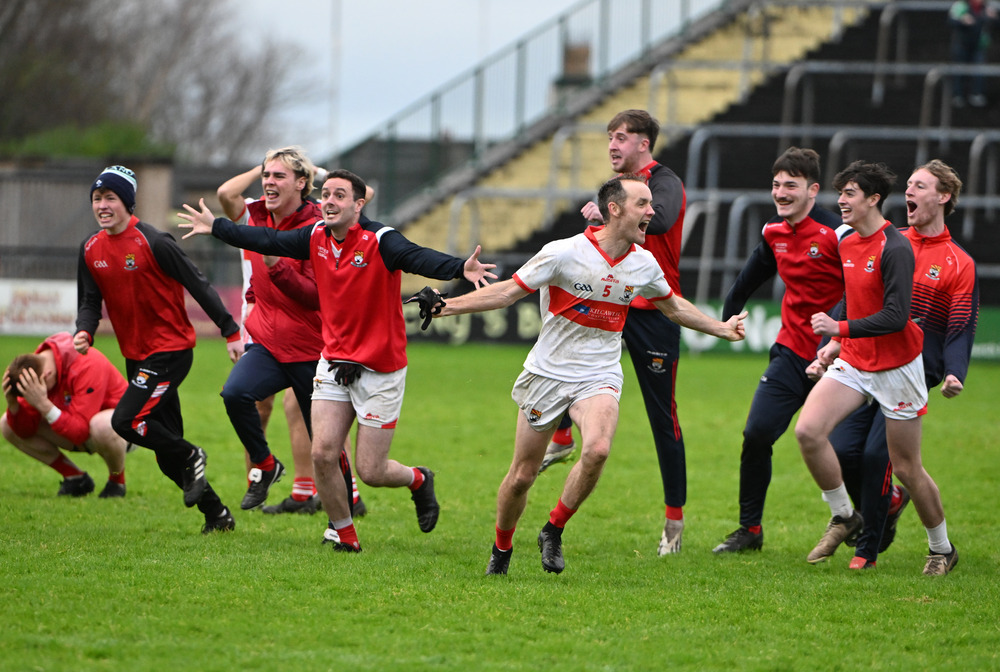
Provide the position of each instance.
(814, 250)
(359, 259)
(870, 264)
(934, 272)
(629, 291)
(130, 262)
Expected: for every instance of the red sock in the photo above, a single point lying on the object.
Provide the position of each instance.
(560, 515)
(118, 477)
(267, 464)
(505, 539)
(303, 488)
(754, 529)
(563, 437)
(348, 534)
(418, 478)
(675, 513)
(65, 467)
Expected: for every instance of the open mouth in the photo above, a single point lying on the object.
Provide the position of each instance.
(911, 207)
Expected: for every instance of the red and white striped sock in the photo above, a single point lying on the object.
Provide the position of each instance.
(303, 489)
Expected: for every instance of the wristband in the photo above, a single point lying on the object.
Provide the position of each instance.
(52, 415)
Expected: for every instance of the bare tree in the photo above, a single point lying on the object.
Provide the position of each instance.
(175, 67)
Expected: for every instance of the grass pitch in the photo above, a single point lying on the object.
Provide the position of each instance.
(91, 584)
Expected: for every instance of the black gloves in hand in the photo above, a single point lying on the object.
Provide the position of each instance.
(347, 372)
(430, 303)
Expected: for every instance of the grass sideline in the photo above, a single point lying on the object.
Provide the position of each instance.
(92, 584)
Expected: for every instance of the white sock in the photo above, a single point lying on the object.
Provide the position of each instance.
(937, 538)
(839, 501)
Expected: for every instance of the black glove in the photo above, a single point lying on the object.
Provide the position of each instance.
(347, 372)
(430, 302)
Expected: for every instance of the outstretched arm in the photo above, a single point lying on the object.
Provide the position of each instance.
(477, 272)
(199, 221)
(683, 312)
(499, 295)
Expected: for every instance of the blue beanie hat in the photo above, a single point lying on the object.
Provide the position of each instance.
(120, 180)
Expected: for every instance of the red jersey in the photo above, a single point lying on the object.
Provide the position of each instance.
(285, 318)
(140, 276)
(359, 283)
(945, 303)
(86, 385)
(878, 282)
(806, 258)
(663, 236)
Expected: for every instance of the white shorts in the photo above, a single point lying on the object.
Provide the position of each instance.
(900, 392)
(544, 400)
(377, 397)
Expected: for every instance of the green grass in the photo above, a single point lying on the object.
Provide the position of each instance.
(90, 584)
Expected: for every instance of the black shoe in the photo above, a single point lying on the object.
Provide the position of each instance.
(76, 486)
(112, 489)
(889, 533)
(330, 536)
(425, 501)
(550, 544)
(194, 477)
(741, 540)
(499, 561)
(358, 509)
(260, 483)
(290, 505)
(224, 522)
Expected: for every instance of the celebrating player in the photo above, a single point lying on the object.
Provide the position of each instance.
(358, 271)
(879, 358)
(139, 274)
(800, 246)
(587, 283)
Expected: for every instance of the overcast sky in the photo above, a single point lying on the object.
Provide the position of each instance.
(391, 53)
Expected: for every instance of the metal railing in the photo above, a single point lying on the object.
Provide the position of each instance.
(498, 99)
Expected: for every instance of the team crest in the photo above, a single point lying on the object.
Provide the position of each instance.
(870, 264)
(534, 416)
(141, 379)
(934, 272)
(359, 259)
(814, 250)
(656, 365)
(130, 262)
(629, 291)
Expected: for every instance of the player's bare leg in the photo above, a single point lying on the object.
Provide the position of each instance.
(597, 418)
(529, 450)
(903, 437)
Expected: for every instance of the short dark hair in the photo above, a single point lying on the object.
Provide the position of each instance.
(637, 121)
(613, 191)
(357, 184)
(798, 162)
(948, 182)
(871, 178)
(20, 363)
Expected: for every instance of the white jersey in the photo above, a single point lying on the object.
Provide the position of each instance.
(584, 301)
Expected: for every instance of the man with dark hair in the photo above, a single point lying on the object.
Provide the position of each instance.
(587, 283)
(653, 340)
(139, 274)
(799, 245)
(874, 354)
(358, 270)
(58, 400)
(282, 325)
(946, 307)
